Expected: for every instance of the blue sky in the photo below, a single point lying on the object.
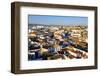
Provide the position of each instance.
(61, 20)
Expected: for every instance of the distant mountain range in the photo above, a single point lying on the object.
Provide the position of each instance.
(31, 25)
(55, 25)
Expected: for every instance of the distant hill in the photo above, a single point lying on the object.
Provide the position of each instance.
(30, 25)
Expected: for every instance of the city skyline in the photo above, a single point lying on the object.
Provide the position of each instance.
(57, 20)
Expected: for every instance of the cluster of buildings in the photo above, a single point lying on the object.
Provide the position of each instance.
(51, 42)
